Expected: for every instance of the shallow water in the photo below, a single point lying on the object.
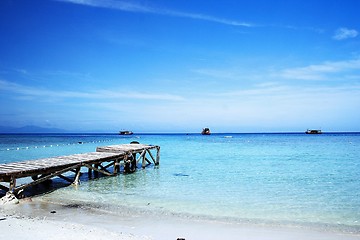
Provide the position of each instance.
(276, 179)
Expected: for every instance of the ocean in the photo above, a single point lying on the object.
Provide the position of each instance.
(282, 179)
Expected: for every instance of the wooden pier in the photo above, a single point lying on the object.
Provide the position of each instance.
(119, 158)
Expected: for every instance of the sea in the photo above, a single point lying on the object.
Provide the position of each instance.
(272, 179)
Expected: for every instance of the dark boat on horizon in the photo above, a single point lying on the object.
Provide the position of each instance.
(205, 131)
(313, 131)
(126, 133)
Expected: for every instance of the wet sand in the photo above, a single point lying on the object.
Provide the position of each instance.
(36, 219)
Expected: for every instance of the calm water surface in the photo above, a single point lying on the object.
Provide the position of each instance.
(276, 179)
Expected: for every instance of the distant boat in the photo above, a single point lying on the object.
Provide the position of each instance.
(313, 131)
(126, 133)
(205, 131)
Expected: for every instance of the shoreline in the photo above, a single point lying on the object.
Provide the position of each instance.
(38, 219)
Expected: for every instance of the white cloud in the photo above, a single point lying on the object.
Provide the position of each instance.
(119, 5)
(320, 71)
(48, 94)
(267, 105)
(345, 33)
(217, 73)
(132, 7)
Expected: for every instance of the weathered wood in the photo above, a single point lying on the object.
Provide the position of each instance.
(90, 171)
(104, 168)
(97, 170)
(65, 178)
(157, 155)
(12, 184)
(123, 148)
(152, 157)
(44, 169)
(77, 176)
(42, 179)
(107, 166)
(141, 156)
(116, 166)
(48, 165)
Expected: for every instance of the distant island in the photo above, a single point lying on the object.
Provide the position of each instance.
(31, 129)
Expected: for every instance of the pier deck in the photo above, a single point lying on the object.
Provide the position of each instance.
(123, 157)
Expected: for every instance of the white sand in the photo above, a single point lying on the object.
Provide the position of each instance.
(39, 220)
(24, 228)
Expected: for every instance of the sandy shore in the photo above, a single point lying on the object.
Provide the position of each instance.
(40, 220)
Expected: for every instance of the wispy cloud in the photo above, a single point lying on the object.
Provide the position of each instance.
(345, 33)
(217, 73)
(133, 7)
(48, 94)
(320, 71)
(278, 91)
(118, 5)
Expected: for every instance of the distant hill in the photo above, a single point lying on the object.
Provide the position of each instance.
(30, 129)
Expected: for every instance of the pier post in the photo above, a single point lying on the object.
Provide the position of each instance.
(157, 156)
(96, 173)
(143, 154)
(77, 177)
(90, 172)
(116, 166)
(11, 195)
(12, 184)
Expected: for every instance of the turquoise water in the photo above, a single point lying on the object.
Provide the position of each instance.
(275, 179)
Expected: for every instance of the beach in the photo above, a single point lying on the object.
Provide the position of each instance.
(249, 186)
(35, 219)
(179, 120)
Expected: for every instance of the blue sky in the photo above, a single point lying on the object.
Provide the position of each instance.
(179, 66)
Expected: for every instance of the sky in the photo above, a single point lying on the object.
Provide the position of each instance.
(179, 66)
